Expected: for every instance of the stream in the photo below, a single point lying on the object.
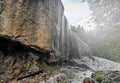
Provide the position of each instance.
(77, 74)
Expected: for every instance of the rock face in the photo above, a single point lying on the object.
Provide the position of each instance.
(30, 32)
(18, 60)
(35, 22)
(114, 75)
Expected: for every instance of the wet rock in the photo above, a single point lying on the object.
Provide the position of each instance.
(24, 81)
(34, 67)
(89, 80)
(106, 76)
(16, 72)
(14, 81)
(3, 68)
(32, 56)
(109, 71)
(60, 79)
(1, 58)
(113, 75)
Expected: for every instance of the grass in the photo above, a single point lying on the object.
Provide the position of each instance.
(53, 68)
(45, 68)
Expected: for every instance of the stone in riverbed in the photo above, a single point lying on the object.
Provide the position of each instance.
(114, 76)
(89, 80)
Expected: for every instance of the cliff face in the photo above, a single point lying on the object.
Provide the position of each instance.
(35, 22)
(31, 32)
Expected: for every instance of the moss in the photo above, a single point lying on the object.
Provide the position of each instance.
(45, 68)
(53, 68)
(99, 76)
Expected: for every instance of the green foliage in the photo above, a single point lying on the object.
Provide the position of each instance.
(104, 44)
(116, 53)
(45, 68)
(100, 77)
(53, 68)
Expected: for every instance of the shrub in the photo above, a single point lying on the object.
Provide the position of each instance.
(100, 77)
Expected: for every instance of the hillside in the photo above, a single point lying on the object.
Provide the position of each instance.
(104, 40)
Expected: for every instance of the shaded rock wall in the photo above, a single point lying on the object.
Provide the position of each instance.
(35, 22)
(31, 31)
(18, 61)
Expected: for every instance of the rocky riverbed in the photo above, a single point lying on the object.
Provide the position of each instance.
(76, 74)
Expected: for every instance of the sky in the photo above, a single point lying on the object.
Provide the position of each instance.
(76, 11)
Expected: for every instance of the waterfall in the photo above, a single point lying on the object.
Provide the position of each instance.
(78, 48)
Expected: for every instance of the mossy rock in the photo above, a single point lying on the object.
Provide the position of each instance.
(100, 77)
